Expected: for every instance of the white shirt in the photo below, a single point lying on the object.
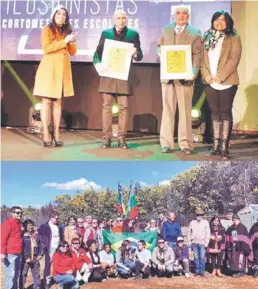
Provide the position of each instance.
(214, 55)
(106, 258)
(55, 238)
(179, 28)
(144, 256)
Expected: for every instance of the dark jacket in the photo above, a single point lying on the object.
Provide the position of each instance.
(111, 85)
(44, 232)
(181, 252)
(171, 230)
(32, 246)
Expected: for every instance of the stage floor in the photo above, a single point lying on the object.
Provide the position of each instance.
(83, 145)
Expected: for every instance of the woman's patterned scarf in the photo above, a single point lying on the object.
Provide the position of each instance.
(212, 37)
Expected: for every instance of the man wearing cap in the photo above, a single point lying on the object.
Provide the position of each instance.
(198, 238)
(182, 256)
(112, 88)
(179, 91)
(163, 258)
(227, 222)
(238, 248)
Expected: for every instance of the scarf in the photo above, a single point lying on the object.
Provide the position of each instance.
(212, 37)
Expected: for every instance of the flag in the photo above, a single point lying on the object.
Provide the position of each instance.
(120, 199)
(132, 207)
(120, 202)
(116, 239)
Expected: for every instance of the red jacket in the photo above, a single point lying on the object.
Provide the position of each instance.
(62, 263)
(80, 258)
(11, 239)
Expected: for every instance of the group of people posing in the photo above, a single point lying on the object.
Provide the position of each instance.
(75, 254)
(216, 56)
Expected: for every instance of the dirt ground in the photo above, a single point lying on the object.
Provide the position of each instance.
(163, 283)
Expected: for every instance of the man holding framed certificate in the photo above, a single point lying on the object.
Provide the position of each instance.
(179, 49)
(112, 60)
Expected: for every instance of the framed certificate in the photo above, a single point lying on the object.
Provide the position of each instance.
(116, 59)
(176, 62)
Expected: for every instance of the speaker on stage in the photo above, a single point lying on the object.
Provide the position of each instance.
(145, 123)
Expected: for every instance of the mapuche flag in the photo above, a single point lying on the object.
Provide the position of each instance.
(116, 239)
(120, 202)
(132, 206)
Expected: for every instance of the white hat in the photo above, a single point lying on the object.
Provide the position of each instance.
(180, 239)
(57, 8)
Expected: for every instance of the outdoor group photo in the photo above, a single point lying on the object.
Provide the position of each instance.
(70, 243)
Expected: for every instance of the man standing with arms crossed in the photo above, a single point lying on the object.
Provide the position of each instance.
(179, 91)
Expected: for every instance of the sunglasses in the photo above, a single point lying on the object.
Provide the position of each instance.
(18, 213)
(119, 220)
(199, 215)
(76, 243)
(161, 242)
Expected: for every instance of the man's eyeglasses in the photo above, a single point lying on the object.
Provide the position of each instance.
(199, 215)
(119, 220)
(161, 242)
(18, 213)
(76, 243)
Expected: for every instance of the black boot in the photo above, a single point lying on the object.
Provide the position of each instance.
(226, 134)
(216, 138)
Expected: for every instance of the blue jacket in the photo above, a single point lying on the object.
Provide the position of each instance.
(32, 246)
(181, 252)
(171, 230)
(45, 235)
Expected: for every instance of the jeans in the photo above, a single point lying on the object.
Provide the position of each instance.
(199, 258)
(171, 244)
(35, 270)
(68, 280)
(12, 264)
(129, 264)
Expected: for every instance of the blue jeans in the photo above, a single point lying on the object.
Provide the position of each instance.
(12, 264)
(129, 264)
(199, 258)
(171, 244)
(68, 280)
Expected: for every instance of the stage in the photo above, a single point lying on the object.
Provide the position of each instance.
(85, 145)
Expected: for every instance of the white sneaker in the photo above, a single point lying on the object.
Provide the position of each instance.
(187, 275)
(78, 276)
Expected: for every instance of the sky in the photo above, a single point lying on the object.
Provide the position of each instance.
(37, 183)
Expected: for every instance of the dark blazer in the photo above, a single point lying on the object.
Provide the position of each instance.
(44, 232)
(111, 85)
(229, 59)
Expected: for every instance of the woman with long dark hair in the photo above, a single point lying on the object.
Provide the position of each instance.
(221, 56)
(98, 273)
(64, 267)
(216, 245)
(54, 76)
(125, 260)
